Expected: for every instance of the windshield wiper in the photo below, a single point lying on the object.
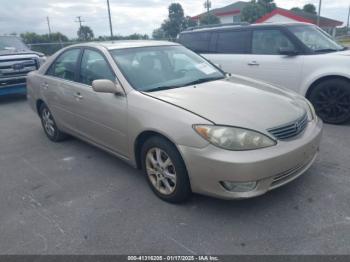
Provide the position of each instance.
(203, 80)
(159, 88)
(326, 50)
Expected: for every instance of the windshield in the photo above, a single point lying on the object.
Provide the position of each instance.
(12, 43)
(163, 67)
(315, 38)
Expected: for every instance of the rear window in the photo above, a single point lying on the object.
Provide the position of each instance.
(197, 42)
(233, 42)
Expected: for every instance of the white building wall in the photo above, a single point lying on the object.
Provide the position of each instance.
(229, 19)
(277, 18)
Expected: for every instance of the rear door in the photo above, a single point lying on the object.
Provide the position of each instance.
(267, 64)
(58, 87)
(229, 49)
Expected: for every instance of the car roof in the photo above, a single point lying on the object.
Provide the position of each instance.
(240, 26)
(122, 44)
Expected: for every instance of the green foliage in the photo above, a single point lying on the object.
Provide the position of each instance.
(175, 23)
(297, 9)
(257, 9)
(310, 8)
(209, 19)
(47, 44)
(85, 33)
(128, 37)
(159, 34)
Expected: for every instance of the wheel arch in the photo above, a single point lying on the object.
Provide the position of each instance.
(324, 78)
(142, 138)
(38, 104)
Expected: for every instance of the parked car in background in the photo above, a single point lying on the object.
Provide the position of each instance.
(162, 108)
(16, 61)
(297, 56)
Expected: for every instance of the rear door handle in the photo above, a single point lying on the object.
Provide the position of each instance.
(253, 63)
(78, 96)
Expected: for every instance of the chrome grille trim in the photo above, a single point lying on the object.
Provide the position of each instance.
(8, 67)
(290, 130)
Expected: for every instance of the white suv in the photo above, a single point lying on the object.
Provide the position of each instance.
(297, 56)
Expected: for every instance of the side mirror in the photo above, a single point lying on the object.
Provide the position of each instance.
(288, 51)
(107, 86)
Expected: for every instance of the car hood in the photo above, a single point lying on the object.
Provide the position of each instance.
(19, 52)
(237, 101)
(340, 53)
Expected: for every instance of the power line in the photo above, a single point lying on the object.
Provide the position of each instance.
(110, 19)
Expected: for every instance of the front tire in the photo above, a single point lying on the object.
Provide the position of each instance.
(165, 170)
(331, 99)
(49, 125)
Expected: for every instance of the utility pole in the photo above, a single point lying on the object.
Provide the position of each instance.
(319, 13)
(348, 24)
(110, 19)
(207, 5)
(48, 24)
(79, 21)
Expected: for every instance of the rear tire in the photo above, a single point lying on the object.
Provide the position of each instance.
(331, 99)
(49, 125)
(165, 170)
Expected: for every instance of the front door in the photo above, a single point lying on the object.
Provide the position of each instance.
(267, 64)
(102, 117)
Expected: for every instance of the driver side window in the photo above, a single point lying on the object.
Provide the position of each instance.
(93, 67)
(269, 42)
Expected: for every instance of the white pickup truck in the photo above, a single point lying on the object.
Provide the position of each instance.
(297, 56)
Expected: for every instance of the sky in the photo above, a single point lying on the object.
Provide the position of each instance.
(128, 16)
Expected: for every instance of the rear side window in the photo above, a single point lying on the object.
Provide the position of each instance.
(65, 65)
(233, 42)
(269, 42)
(197, 42)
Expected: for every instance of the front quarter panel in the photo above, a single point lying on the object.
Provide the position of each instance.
(150, 114)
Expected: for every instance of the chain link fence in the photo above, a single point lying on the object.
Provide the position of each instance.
(49, 48)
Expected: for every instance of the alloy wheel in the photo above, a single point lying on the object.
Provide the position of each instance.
(48, 122)
(161, 171)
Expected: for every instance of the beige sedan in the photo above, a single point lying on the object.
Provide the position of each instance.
(185, 123)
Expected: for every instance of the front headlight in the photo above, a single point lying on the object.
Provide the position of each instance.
(233, 138)
(312, 112)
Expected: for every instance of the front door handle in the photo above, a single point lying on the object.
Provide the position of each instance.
(78, 96)
(45, 85)
(253, 63)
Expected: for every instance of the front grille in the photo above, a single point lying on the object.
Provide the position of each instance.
(289, 130)
(17, 67)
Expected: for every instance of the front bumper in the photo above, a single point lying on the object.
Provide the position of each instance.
(11, 86)
(270, 167)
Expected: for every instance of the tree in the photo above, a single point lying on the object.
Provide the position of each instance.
(159, 34)
(85, 33)
(310, 8)
(257, 9)
(172, 26)
(296, 9)
(209, 19)
(189, 22)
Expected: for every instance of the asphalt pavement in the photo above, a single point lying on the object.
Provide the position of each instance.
(72, 198)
